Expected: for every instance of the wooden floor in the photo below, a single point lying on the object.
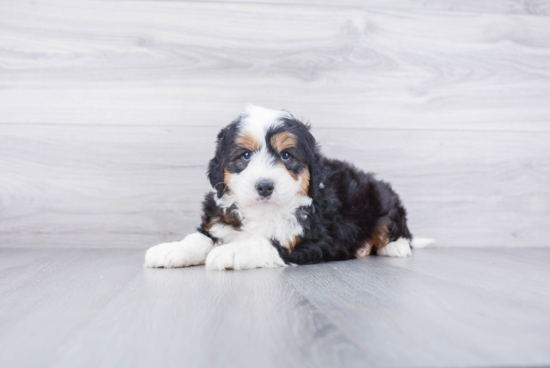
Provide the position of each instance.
(440, 308)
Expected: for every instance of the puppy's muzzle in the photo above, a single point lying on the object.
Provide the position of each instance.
(265, 188)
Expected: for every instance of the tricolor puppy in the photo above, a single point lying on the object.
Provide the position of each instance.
(276, 200)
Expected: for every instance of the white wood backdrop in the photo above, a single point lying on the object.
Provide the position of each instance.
(109, 110)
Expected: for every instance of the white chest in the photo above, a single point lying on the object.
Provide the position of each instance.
(279, 223)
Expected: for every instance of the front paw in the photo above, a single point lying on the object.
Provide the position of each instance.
(190, 251)
(243, 256)
(398, 248)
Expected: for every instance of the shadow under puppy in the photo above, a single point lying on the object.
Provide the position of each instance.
(277, 200)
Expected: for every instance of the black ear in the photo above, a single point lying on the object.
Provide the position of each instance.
(314, 162)
(217, 164)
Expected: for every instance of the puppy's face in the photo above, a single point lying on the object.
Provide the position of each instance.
(264, 158)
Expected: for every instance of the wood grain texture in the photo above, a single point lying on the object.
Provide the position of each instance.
(100, 308)
(197, 64)
(476, 325)
(101, 186)
(442, 307)
(108, 110)
(534, 7)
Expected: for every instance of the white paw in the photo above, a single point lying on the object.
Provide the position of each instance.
(363, 251)
(244, 255)
(398, 248)
(189, 252)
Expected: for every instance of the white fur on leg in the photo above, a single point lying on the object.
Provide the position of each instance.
(189, 252)
(243, 255)
(363, 251)
(398, 248)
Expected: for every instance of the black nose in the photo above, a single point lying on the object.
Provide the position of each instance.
(265, 188)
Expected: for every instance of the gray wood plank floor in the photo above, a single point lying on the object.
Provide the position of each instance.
(442, 307)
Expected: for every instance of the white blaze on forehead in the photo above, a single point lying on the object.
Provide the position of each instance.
(257, 121)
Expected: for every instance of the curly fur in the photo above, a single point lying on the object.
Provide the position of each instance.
(319, 209)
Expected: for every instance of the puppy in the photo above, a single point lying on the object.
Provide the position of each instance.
(276, 200)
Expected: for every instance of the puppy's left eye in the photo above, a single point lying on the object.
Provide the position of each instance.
(285, 156)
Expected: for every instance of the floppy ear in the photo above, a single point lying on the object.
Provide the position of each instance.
(314, 163)
(217, 164)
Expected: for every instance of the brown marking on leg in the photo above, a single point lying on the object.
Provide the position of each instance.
(290, 244)
(293, 243)
(229, 219)
(223, 217)
(381, 234)
(284, 140)
(207, 225)
(247, 141)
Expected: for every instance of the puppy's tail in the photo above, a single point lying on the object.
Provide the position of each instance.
(418, 243)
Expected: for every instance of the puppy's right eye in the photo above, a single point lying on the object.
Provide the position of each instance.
(247, 156)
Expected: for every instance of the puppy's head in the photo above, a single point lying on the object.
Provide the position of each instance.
(265, 158)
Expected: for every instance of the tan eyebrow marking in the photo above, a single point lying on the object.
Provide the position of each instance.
(284, 140)
(247, 141)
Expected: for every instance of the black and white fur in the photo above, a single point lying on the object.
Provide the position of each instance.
(276, 200)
